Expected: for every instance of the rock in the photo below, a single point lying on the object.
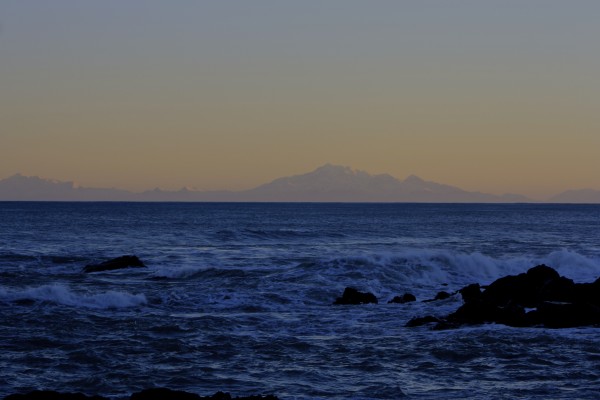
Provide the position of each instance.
(565, 315)
(52, 395)
(405, 298)
(164, 393)
(560, 289)
(115, 263)
(442, 295)
(353, 296)
(471, 292)
(557, 302)
(475, 312)
(419, 321)
(439, 296)
(527, 289)
(480, 312)
(587, 292)
(256, 397)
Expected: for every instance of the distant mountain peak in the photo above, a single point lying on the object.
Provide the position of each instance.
(326, 183)
(413, 179)
(331, 168)
(21, 179)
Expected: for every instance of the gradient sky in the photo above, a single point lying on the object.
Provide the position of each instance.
(495, 96)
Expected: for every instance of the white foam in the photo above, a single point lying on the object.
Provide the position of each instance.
(574, 265)
(432, 267)
(60, 294)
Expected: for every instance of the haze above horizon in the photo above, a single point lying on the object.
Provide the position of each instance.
(497, 97)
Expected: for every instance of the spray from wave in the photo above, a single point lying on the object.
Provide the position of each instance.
(431, 268)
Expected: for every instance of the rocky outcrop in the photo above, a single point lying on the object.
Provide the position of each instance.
(353, 296)
(539, 297)
(115, 263)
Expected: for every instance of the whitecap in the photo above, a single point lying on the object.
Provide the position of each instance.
(61, 294)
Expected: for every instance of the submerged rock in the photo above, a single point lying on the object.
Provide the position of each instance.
(115, 263)
(405, 298)
(353, 296)
(419, 321)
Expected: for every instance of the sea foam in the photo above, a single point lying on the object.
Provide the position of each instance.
(61, 294)
(433, 267)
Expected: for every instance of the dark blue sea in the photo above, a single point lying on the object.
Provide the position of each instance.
(238, 297)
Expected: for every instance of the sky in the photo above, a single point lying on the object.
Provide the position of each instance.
(493, 96)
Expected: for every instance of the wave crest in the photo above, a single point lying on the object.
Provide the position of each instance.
(431, 268)
(60, 294)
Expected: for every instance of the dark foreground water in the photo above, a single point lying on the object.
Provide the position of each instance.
(237, 297)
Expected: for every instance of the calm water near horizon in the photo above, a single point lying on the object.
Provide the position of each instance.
(238, 297)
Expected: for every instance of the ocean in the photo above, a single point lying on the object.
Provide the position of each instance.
(238, 297)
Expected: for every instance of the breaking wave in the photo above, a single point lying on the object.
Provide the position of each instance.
(60, 294)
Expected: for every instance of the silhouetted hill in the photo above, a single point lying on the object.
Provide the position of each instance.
(577, 196)
(329, 183)
(338, 183)
(32, 188)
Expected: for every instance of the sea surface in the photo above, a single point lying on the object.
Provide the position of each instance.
(238, 297)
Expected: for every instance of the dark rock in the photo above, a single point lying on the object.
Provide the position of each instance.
(442, 295)
(587, 292)
(115, 263)
(565, 315)
(527, 289)
(445, 325)
(405, 298)
(480, 312)
(353, 296)
(512, 315)
(227, 396)
(419, 321)
(163, 393)
(52, 395)
(439, 296)
(557, 302)
(560, 289)
(471, 292)
(219, 396)
(475, 312)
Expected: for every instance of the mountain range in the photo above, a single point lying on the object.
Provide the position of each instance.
(328, 183)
